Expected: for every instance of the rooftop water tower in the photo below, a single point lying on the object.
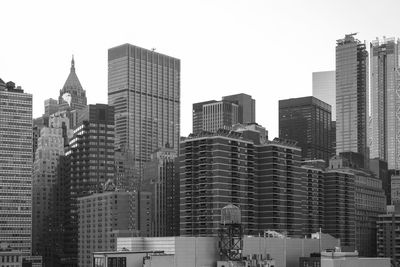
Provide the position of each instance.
(230, 234)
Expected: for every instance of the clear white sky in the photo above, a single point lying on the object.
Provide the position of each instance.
(267, 49)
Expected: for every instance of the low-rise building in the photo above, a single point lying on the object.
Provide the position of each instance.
(203, 251)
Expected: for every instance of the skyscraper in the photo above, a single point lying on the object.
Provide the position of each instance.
(307, 120)
(92, 149)
(160, 180)
(247, 107)
(365, 191)
(50, 148)
(213, 115)
(15, 167)
(198, 117)
(280, 190)
(385, 100)
(72, 96)
(263, 178)
(144, 89)
(324, 88)
(216, 169)
(50, 107)
(351, 96)
(90, 160)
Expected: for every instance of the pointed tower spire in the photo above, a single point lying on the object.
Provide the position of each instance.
(72, 64)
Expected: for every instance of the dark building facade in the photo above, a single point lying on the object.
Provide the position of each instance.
(92, 149)
(144, 89)
(308, 121)
(380, 169)
(351, 96)
(160, 180)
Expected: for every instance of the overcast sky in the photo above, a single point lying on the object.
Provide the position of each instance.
(267, 49)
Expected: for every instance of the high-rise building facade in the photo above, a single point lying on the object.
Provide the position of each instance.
(90, 162)
(15, 167)
(102, 217)
(369, 203)
(92, 149)
(339, 210)
(214, 115)
(220, 115)
(263, 178)
(216, 169)
(385, 100)
(314, 178)
(280, 189)
(307, 120)
(50, 107)
(72, 96)
(160, 180)
(351, 96)
(197, 116)
(247, 107)
(44, 178)
(324, 88)
(380, 169)
(144, 89)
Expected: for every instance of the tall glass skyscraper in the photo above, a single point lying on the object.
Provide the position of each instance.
(15, 167)
(351, 96)
(144, 89)
(385, 100)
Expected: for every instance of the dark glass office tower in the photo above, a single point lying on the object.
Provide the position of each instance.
(351, 96)
(144, 89)
(307, 120)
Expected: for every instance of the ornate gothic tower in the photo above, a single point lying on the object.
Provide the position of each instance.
(72, 96)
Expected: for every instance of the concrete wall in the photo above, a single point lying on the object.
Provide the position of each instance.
(160, 261)
(356, 262)
(196, 252)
